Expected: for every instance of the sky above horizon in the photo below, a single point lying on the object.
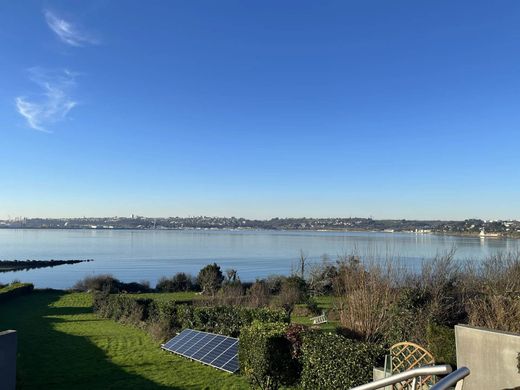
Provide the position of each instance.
(399, 109)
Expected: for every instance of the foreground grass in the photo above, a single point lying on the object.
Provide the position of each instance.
(63, 345)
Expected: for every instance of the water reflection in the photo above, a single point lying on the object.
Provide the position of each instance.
(147, 255)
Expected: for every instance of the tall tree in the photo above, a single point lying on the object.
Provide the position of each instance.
(210, 279)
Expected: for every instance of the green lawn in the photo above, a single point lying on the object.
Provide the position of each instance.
(324, 303)
(63, 345)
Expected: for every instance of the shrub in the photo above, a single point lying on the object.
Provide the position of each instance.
(334, 362)
(265, 355)
(231, 294)
(441, 343)
(122, 308)
(274, 283)
(294, 334)
(210, 279)
(407, 321)
(440, 281)
(15, 289)
(134, 287)
(178, 282)
(298, 284)
(103, 282)
(313, 307)
(500, 312)
(322, 276)
(492, 292)
(109, 284)
(366, 296)
(258, 294)
(293, 291)
(228, 320)
(162, 319)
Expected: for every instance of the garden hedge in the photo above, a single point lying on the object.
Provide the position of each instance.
(331, 361)
(265, 355)
(171, 316)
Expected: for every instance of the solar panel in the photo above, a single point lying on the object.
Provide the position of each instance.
(212, 349)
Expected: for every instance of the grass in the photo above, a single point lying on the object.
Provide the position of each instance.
(325, 303)
(12, 286)
(63, 345)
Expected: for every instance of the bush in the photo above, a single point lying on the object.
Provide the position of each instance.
(109, 284)
(274, 283)
(313, 307)
(492, 292)
(258, 294)
(210, 279)
(334, 362)
(231, 294)
(178, 282)
(294, 334)
(366, 297)
(122, 308)
(15, 289)
(134, 287)
(407, 317)
(265, 356)
(162, 319)
(103, 282)
(227, 320)
(500, 312)
(293, 291)
(441, 343)
(322, 276)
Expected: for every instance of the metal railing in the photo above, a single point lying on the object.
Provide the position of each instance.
(406, 375)
(456, 378)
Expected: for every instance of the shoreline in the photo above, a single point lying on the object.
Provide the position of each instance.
(500, 236)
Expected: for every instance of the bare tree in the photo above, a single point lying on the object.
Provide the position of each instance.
(302, 261)
(231, 275)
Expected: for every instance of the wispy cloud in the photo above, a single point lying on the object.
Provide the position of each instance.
(67, 32)
(52, 103)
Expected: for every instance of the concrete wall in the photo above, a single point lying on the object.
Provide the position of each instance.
(8, 360)
(491, 357)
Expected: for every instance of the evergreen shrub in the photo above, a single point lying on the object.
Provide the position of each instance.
(265, 356)
(441, 343)
(330, 361)
(166, 318)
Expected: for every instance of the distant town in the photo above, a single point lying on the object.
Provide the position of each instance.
(485, 228)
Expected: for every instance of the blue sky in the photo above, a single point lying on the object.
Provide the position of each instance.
(394, 109)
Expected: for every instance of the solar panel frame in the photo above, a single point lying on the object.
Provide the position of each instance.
(211, 349)
(176, 339)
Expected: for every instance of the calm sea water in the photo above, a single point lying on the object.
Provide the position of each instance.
(134, 255)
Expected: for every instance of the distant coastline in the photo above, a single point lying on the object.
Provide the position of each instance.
(491, 234)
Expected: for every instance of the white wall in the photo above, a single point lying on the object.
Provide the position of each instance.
(491, 357)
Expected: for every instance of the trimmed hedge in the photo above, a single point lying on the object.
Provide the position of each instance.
(168, 317)
(265, 356)
(331, 361)
(14, 290)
